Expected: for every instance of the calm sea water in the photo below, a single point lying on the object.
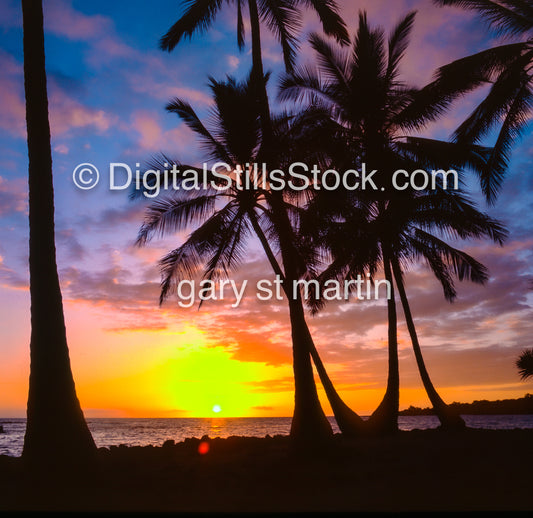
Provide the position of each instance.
(141, 432)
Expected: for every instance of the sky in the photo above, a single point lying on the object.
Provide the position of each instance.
(108, 84)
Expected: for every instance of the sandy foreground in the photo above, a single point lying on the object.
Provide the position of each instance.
(476, 470)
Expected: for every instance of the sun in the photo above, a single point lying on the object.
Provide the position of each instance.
(217, 409)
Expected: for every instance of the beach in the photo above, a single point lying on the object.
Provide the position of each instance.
(420, 470)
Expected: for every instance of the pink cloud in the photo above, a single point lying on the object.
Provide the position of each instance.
(10, 278)
(149, 130)
(165, 87)
(233, 61)
(66, 113)
(63, 20)
(152, 137)
(110, 47)
(13, 196)
(61, 149)
(13, 107)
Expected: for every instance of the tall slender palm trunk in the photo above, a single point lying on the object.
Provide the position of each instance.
(56, 431)
(349, 422)
(309, 420)
(385, 418)
(447, 417)
(258, 76)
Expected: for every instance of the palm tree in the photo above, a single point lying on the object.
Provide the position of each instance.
(361, 238)
(508, 68)
(56, 431)
(225, 219)
(366, 110)
(524, 363)
(280, 16)
(449, 215)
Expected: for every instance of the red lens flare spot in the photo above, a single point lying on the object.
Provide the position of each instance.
(203, 448)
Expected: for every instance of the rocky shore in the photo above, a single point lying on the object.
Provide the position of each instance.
(420, 470)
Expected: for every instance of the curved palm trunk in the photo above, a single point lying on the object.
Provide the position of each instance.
(309, 419)
(385, 418)
(56, 431)
(447, 417)
(348, 421)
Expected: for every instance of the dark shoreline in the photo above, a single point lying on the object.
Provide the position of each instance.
(520, 406)
(420, 470)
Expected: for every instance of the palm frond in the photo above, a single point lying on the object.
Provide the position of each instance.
(514, 123)
(281, 17)
(398, 42)
(454, 80)
(434, 154)
(333, 61)
(166, 171)
(368, 60)
(524, 364)
(236, 118)
(505, 17)
(332, 23)
(228, 245)
(169, 215)
(497, 102)
(216, 246)
(186, 112)
(197, 17)
(452, 213)
(464, 266)
(440, 270)
(303, 84)
(180, 263)
(240, 26)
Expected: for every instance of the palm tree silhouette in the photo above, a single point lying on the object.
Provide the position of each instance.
(362, 237)
(508, 68)
(280, 16)
(226, 218)
(56, 431)
(359, 100)
(524, 363)
(409, 239)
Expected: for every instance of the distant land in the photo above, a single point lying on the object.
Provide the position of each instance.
(519, 406)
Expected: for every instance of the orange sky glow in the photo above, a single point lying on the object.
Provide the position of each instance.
(108, 84)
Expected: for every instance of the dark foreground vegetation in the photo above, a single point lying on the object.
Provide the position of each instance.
(520, 406)
(419, 470)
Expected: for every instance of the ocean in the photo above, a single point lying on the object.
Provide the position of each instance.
(141, 432)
